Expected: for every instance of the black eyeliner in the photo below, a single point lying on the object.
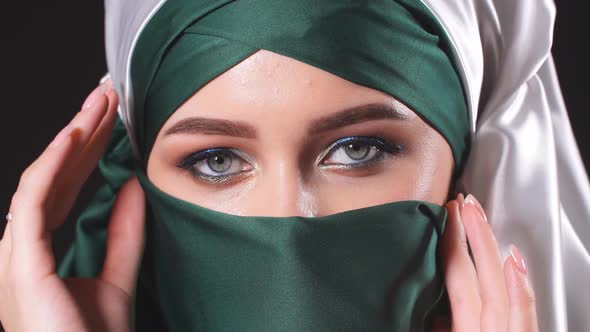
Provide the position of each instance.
(380, 143)
(190, 161)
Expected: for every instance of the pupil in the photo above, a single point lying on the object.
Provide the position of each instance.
(357, 151)
(219, 163)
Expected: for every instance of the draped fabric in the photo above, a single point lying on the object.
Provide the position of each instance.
(396, 47)
(375, 268)
(371, 269)
(524, 165)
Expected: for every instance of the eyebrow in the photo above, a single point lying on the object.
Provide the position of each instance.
(358, 114)
(347, 117)
(208, 126)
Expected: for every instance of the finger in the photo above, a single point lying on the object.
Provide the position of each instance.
(89, 118)
(125, 238)
(92, 152)
(31, 243)
(6, 240)
(64, 186)
(521, 298)
(98, 142)
(39, 179)
(32, 201)
(5, 246)
(488, 263)
(460, 276)
(110, 101)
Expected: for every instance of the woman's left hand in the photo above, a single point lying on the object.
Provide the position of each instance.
(485, 294)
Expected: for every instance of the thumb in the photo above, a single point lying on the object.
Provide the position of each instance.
(125, 238)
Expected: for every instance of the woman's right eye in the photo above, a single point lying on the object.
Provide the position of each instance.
(215, 165)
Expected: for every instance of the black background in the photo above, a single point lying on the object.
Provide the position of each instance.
(53, 55)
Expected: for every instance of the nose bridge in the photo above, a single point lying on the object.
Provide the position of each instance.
(279, 191)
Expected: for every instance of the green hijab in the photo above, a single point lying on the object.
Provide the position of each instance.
(396, 47)
(374, 269)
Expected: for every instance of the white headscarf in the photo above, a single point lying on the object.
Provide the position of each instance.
(524, 166)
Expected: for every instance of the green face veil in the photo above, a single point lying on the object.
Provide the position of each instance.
(368, 269)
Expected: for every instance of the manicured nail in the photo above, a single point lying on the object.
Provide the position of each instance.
(461, 200)
(470, 199)
(517, 258)
(61, 136)
(105, 78)
(93, 97)
(106, 86)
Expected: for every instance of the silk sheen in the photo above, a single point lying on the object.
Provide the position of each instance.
(371, 269)
(524, 165)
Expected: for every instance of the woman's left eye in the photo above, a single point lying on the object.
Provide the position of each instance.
(358, 151)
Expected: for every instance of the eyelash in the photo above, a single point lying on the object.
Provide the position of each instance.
(383, 148)
(189, 164)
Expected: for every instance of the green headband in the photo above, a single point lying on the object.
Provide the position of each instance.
(396, 47)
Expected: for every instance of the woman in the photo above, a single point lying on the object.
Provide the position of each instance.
(315, 133)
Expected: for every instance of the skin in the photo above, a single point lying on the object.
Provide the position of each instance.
(281, 99)
(487, 293)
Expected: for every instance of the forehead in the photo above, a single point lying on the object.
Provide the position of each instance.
(268, 84)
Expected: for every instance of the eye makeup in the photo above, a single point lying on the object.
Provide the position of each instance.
(377, 147)
(212, 158)
(222, 164)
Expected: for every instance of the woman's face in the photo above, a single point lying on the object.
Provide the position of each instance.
(274, 136)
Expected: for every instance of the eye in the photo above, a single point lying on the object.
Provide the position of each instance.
(215, 165)
(358, 151)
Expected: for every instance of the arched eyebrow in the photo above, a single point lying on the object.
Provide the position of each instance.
(208, 126)
(358, 114)
(347, 117)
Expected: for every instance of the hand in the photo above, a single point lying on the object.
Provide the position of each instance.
(32, 296)
(487, 295)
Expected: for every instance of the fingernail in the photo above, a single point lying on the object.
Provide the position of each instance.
(61, 136)
(470, 199)
(517, 258)
(91, 100)
(105, 78)
(106, 86)
(461, 200)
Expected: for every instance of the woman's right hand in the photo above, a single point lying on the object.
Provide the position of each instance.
(32, 296)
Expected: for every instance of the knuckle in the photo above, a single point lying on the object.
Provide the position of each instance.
(527, 297)
(495, 312)
(3, 274)
(10, 278)
(494, 306)
(25, 194)
(463, 245)
(28, 175)
(529, 300)
(15, 198)
(25, 176)
(458, 301)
